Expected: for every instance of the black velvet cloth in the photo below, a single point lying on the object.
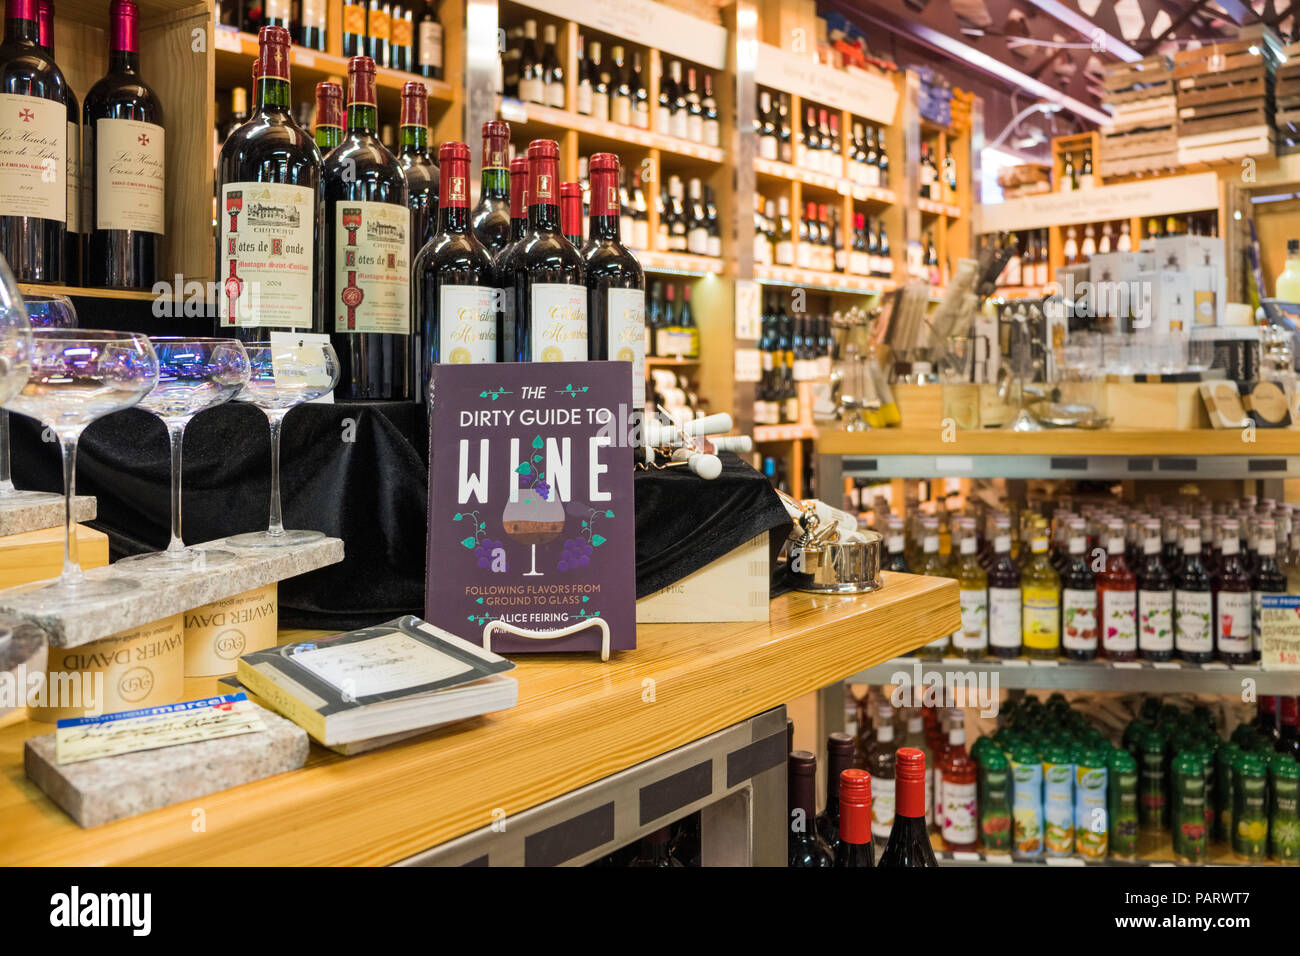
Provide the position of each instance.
(356, 471)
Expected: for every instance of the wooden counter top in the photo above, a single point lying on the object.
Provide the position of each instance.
(577, 721)
(1063, 441)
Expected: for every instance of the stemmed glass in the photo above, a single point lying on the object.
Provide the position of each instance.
(193, 374)
(283, 376)
(43, 312)
(77, 376)
(15, 358)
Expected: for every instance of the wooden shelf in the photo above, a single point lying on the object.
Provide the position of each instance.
(766, 168)
(1063, 441)
(682, 263)
(665, 362)
(935, 208)
(125, 295)
(530, 116)
(830, 281)
(577, 721)
(1020, 292)
(777, 433)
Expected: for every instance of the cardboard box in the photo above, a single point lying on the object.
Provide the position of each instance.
(1167, 303)
(735, 587)
(1202, 258)
(1119, 266)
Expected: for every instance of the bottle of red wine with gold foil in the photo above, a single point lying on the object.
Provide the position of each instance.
(491, 216)
(72, 246)
(368, 236)
(806, 848)
(853, 847)
(420, 169)
(549, 280)
(454, 294)
(33, 134)
(124, 161)
(909, 841)
(503, 263)
(615, 281)
(270, 206)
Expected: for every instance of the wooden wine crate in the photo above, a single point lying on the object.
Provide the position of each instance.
(1151, 76)
(1227, 145)
(1251, 83)
(1146, 147)
(1219, 117)
(1153, 111)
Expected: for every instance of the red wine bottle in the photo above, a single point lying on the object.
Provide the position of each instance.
(420, 169)
(124, 161)
(503, 264)
(455, 297)
(33, 132)
(615, 282)
(428, 42)
(368, 235)
(909, 842)
(1078, 598)
(491, 217)
(72, 245)
(312, 20)
(270, 257)
(805, 848)
(854, 847)
(1117, 599)
(329, 116)
(571, 213)
(1232, 601)
(839, 757)
(549, 280)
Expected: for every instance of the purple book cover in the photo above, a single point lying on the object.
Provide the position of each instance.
(530, 503)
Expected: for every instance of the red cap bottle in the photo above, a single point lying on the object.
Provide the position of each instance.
(571, 212)
(909, 780)
(496, 144)
(273, 54)
(855, 806)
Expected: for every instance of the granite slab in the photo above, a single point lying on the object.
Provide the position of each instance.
(94, 792)
(23, 651)
(43, 513)
(161, 595)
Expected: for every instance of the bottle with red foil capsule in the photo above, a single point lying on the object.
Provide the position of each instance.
(909, 841)
(270, 196)
(549, 280)
(854, 847)
(72, 246)
(503, 262)
(1117, 599)
(959, 824)
(491, 217)
(329, 116)
(420, 169)
(1232, 600)
(571, 212)
(368, 235)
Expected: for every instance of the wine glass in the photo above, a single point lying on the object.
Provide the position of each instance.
(77, 376)
(283, 376)
(536, 517)
(43, 312)
(193, 374)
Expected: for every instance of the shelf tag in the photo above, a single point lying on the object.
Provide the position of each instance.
(1063, 861)
(1214, 666)
(954, 463)
(1001, 859)
(1015, 662)
(1044, 663)
(1127, 665)
(966, 855)
(1167, 665)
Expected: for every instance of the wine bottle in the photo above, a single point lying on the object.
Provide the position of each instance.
(379, 32)
(653, 851)
(1155, 599)
(805, 848)
(503, 264)
(1078, 598)
(1117, 599)
(840, 749)
(312, 19)
(571, 212)
(552, 72)
(909, 842)
(549, 279)
(124, 156)
(455, 298)
(73, 241)
(33, 130)
(401, 44)
(368, 235)
(429, 42)
(854, 848)
(958, 824)
(1193, 602)
(270, 260)
(420, 169)
(354, 27)
(276, 13)
(329, 116)
(491, 216)
(1266, 578)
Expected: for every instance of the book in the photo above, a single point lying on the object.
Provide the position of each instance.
(398, 677)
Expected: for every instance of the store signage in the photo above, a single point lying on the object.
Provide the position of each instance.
(530, 503)
(1280, 632)
(1160, 196)
(869, 95)
(648, 23)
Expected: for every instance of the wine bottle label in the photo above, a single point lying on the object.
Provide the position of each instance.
(958, 821)
(129, 175)
(1004, 617)
(559, 322)
(380, 24)
(354, 19)
(467, 324)
(712, 133)
(974, 633)
(621, 110)
(314, 14)
(33, 157)
(600, 105)
(882, 807)
(1041, 617)
(1156, 620)
(714, 249)
(1256, 621)
(626, 336)
(74, 177)
(403, 32)
(584, 99)
(1192, 631)
(531, 90)
(1079, 619)
(1119, 620)
(1232, 622)
(555, 95)
(267, 245)
(431, 44)
(372, 267)
(641, 115)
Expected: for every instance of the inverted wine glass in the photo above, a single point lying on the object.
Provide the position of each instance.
(43, 312)
(282, 376)
(194, 374)
(77, 376)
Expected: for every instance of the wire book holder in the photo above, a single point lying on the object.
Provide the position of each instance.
(530, 634)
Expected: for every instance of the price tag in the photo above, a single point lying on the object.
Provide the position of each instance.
(1001, 859)
(1015, 662)
(1127, 665)
(1167, 665)
(1214, 666)
(966, 855)
(1044, 663)
(1064, 861)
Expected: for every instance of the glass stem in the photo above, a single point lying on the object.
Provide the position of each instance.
(71, 559)
(276, 525)
(176, 432)
(6, 477)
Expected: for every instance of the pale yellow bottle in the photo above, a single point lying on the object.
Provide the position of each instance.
(1288, 283)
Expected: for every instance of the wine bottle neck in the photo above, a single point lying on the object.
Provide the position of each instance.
(327, 137)
(362, 118)
(453, 219)
(544, 217)
(21, 29)
(495, 183)
(273, 93)
(123, 61)
(414, 138)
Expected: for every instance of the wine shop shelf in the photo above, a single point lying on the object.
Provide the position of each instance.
(122, 295)
(777, 433)
(670, 362)
(1020, 292)
(678, 263)
(534, 117)
(1172, 677)
(770, 169)
(935, 208)
(829, 281)
(1154, 849)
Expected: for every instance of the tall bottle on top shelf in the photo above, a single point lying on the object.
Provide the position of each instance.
(428, 41)
(491, 217)
(123, 146)
(420, 169)
(549, 278)
(615, 282)
(503, 263)
(329, 116)
(368, 235)
(313, 18)
(74, 180)
(270, 205)
(34, 99)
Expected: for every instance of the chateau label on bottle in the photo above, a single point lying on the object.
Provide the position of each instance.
(131, 174)
(627, 333)
(1192, 612)
(74, 177)
(430, 43)
(1156, 620)
(1232, 622)
(34, 154)
(354, 19)
(372, 258)
(559, 322)
(468, 324)
(267, 245)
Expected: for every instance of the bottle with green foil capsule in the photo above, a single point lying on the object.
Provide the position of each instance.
(1058, 800)
(972, 641)
(933, 564)
(1027, 803)
(1122, 804)
(1224, 760)
(1189, 808)
(1040, 601)
(1091, 828)
(1153, 793)
(995, 800)
(1283, 824)
(329, 115)
(1250, 807)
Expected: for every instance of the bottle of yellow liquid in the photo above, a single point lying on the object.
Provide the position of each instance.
(1040, 599)
(1288, 283)
(933, 563)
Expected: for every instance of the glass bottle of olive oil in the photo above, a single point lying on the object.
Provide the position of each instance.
(972, 641)
(1040, 598)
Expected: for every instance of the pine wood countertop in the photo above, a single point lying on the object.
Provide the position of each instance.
(1268, 442)
(577, 720)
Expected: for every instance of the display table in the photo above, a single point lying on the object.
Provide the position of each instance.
(578, 722)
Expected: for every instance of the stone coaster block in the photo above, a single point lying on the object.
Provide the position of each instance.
(23, 651)
(164, 594)
(42, 514)
(99, 791)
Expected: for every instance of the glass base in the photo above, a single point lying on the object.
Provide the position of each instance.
(17, 497)
(179, 561)
(1023, 422)
(67, 591)
(264, 539)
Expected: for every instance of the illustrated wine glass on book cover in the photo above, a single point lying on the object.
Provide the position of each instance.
(43, 312)
(194, 374)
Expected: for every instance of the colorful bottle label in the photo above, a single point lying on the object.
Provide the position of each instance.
(1027, 808)
(1041, 615)
(1004, 617)
(1079, 619)
(559, 322)
(1156, 620)
(626, 336)
(467, 330)
(974, 633)
(1193, 633)
(1189, 830)
(129, 175)
(33, 157)
(1232, 622)
(1058, 808)
(267, 255)
(1118, 623)
(1284, 827)
(957, 825)
(995, 810)
(1122, 800)
(882, 807)
(1091, 823)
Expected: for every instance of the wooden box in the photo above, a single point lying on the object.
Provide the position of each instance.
(37, 555)
(920, 406)
(1173, 406)
(1140, 80)
(735, 587)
